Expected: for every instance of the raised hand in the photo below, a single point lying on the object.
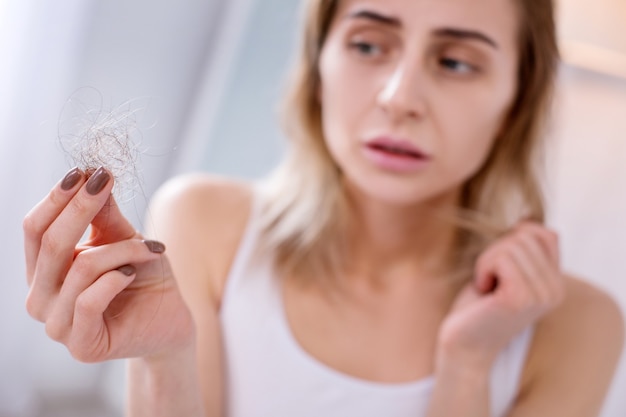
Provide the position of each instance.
(517, 280)
(112, 296)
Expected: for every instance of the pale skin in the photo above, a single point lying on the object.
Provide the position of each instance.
(116, 296)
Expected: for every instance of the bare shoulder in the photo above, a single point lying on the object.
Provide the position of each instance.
(574, 353)
(204, 196)
(587, 313)
(200, 218)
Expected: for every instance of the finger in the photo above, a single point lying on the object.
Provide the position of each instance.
(88, 267)
(43, 214)
(505, 248)
(519, 290)
(61, 237)
(512, 250)
(548, 238)
(110, 225)
(514, 294)
(90, 339)
(530, 260)
(546, 271)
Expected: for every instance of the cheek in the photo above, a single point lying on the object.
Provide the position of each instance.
(344, 99)
(472, 128)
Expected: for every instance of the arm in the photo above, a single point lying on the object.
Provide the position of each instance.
(460, 391)
(573, 357)
(569, 369)
(579, 337)
(517, 280)
(200, 219)
(111, 297)
(165, 386)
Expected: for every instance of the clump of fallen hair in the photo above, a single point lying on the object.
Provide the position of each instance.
(110, 139)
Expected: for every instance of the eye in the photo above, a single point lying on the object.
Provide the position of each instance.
(457, 66)
(367, 49)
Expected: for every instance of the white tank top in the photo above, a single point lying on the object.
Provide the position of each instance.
(268, 374)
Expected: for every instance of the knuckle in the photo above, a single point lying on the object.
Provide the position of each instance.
(77, 206)
(35, 309)
(31, 225)
(85, 306)
(80, 352)
(51, 245)
(56, 199)
(553, 236)
(55, 330)
(83, 264)
(549, 234)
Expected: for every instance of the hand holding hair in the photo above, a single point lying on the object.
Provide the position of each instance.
(112, 296)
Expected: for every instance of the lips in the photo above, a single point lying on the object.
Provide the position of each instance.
(396, 147)
(395, 155)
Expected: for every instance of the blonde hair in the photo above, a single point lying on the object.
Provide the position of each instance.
(305, 216)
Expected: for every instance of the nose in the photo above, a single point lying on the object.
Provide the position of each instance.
(402, 95)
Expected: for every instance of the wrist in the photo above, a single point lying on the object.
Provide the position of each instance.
(163, 361)
(476, 359)
(164, 384)
(465, 372)
(461, 388)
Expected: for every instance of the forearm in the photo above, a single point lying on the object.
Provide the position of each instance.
(164, 387)
(460, 391)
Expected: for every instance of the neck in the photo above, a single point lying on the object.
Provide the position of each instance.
(388, 241)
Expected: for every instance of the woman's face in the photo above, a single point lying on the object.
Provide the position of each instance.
(414, 92)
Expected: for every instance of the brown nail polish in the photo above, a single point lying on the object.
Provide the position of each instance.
(98, 181)
(154, 246)
(127, 270)
(71, 179)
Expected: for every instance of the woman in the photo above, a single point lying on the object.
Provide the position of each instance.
(395, 265)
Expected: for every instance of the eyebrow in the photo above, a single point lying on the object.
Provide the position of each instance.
(466, 34)
(376, 17)
(444, 32)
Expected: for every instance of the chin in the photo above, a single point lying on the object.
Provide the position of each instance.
(394, 191)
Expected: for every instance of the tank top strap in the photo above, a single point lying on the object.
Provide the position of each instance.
(247, 244)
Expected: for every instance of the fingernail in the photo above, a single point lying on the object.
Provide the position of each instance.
(71, 179)
(154, 246)
(127, 270)
(97, 181)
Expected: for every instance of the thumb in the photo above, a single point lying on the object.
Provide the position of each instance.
(110, 225)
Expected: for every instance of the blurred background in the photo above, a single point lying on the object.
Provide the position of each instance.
(202, 79)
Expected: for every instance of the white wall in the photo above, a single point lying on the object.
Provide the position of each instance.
(588, 189)
(588, 166)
